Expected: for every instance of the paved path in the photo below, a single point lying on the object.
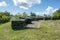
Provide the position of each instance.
(35, 24)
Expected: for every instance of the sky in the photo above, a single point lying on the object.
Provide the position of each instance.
(40, 7)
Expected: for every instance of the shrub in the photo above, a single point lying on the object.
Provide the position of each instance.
(4, 17)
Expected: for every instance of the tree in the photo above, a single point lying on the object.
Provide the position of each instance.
(18, 16)
(4, 16)
(33, 14)
(38, 16)
(56, 14)
(24, 14)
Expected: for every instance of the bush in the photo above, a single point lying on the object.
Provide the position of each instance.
(4, 17)
(56, 14)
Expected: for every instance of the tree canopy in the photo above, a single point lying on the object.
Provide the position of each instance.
(4, 16)
(32, 14)
(56, 14)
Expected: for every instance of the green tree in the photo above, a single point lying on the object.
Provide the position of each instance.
(56, 14)
(18, 16)
(25, 14)
(4, 16)
(38, 16)
(32, 14)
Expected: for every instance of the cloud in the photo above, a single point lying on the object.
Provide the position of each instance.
(26, 4)
(3, 3)
(50, 10)
(55, 9)
(39, 13)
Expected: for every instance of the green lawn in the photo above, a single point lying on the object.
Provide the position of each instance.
(49, 30)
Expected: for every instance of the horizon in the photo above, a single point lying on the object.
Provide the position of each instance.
(40, 7)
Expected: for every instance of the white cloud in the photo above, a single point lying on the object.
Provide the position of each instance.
(39, 13)
(3, 3)
(25, 4)
(23, 7)
(50, 10)
(55, 9)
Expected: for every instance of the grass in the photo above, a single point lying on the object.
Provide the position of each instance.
(49, 30)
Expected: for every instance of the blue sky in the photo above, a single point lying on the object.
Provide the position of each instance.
(38, 6)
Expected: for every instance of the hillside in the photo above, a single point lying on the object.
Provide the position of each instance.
(49, 30)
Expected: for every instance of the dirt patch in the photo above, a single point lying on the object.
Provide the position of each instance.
(34, 24)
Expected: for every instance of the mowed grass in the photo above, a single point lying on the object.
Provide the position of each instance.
(49, 30)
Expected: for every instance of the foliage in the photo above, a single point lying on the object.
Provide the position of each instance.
(47, 16)
(25, 14)
(56, 14)
(4, 17)
(32, 14)
(38, 16)
(18, 16)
